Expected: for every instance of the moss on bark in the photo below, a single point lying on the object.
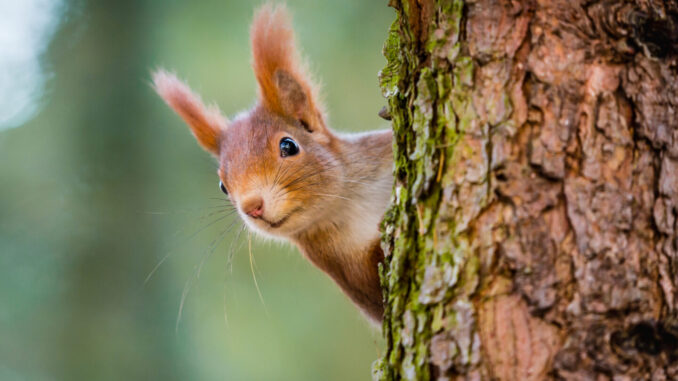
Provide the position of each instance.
(427, 81)
(532, 229)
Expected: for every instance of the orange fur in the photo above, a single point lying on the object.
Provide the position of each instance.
(329, 196)
(274, 49)
(207, 123)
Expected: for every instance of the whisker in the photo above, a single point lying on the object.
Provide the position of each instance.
(227, 206)
(300, 186)
(184, 294)
(301, 177)
(225, 312)
(228, 214)
(354, 181)
(331, 195)
(197, 269)
(169, 253)
(157, 266)
(306, 171)
(254, 277)
(229, 262)
(214, 244)
(289, 189)
(185, 211)
(219, 199)
(275, 178)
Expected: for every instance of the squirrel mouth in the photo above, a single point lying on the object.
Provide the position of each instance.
(278, 223)
(281, 221)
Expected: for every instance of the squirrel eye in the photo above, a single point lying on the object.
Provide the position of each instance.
(223, 188)
(288, 147)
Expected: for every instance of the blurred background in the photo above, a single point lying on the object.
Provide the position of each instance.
(99, 181)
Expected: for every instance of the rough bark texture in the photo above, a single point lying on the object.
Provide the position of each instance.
(533, 228)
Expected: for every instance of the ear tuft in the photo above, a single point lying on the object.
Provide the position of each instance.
(278, 68)
(206, 123)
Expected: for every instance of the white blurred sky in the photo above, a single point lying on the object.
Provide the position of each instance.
(26, 28)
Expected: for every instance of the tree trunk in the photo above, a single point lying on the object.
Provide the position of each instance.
(533, 229)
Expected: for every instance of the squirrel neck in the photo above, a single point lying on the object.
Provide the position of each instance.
(346, 245)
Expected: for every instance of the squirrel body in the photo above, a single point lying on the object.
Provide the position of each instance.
(288, 174)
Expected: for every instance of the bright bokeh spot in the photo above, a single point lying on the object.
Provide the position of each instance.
(26, 27)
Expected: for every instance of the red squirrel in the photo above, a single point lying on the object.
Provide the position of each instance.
(288, 174)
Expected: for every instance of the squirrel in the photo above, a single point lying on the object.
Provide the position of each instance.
(288, 174)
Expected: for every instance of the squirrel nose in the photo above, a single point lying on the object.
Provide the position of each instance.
(253, 207)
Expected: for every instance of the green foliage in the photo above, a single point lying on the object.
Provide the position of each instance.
(106, 181)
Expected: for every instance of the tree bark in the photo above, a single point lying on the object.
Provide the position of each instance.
(533, 228)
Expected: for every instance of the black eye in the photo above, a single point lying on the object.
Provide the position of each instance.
(288, 147)
(223, 188)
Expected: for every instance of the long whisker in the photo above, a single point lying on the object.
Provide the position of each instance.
(275, 178)
(326, 175)
(229, 264)
(227, 201)
(214, 244)
(325, 166)
(184, 294)
(302, 177)
(198, 269)
(332, 195)
(169, 253)
(231, 254)
(329, 195)
(299, 187)
(225, 312)
(186, 211)
(256, 284)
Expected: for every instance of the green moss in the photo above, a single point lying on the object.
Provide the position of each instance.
(429, 101)
(389, 75)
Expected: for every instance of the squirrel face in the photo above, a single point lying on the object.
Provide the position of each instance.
(277, 173)
(276, 192)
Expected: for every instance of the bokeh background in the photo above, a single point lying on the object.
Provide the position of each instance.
(99, 181)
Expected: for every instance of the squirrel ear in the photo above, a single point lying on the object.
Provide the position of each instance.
(284, 86)
(294, 99)
(206, 123)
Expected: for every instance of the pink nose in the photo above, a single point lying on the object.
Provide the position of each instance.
(254, 207)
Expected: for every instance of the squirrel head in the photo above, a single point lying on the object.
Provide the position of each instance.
(278, 162)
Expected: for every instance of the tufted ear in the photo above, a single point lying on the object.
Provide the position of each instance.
(206, 123)
(284, 86)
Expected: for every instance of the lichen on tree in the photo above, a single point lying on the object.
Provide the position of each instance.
(532, 232)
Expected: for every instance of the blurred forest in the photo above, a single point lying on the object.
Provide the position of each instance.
(104, 181)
